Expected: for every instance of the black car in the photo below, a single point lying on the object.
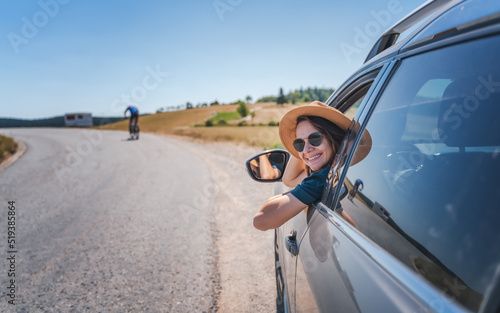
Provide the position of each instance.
(425, 202)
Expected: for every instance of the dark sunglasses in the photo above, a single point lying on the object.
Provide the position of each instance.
(314, 139)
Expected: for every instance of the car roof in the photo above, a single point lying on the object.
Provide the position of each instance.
(432, 22)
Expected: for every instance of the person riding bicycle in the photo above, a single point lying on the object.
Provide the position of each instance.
(134, 115)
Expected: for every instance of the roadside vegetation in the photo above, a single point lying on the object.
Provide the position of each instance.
(7, 147)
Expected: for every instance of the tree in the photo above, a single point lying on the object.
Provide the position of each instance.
(189, 105)
(214, 103)
(249, 99)
(294, 96)
(281, 98)
(242, 109)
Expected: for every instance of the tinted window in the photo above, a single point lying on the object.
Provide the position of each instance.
(428, 192)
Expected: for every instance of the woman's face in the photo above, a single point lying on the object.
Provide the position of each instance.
(314, 157)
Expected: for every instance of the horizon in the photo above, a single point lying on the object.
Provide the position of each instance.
(169, 109)
(62, 56)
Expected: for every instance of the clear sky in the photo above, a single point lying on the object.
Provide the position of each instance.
(59, 56)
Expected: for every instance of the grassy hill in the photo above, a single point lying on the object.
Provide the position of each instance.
(191, 123)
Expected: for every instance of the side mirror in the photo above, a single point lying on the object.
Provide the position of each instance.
(268, 166)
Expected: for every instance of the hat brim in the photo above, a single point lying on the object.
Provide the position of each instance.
(288, 125)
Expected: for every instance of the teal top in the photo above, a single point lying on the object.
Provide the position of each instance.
(311, 188)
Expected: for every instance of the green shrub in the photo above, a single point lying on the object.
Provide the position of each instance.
(242, 109)
(209, 123)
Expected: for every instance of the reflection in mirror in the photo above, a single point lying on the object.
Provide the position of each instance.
(267, 166)
(343, 191)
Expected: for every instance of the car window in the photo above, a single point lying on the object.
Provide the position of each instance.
(428, 190)
(352, 110)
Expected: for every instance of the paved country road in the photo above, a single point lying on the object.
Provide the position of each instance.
(105, 224)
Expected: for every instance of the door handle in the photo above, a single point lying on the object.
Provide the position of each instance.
(292, 245)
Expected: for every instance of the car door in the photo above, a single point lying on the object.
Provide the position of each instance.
(287, 241)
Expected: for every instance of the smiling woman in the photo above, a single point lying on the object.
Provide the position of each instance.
(312, 134)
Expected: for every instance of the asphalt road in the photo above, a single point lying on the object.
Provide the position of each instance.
(106, 224)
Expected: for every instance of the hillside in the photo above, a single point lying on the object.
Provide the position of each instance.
(191, 123)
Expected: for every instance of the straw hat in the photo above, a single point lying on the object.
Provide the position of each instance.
(288, 125)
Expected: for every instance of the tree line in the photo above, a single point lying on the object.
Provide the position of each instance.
(300, 95)
(296, 96)
(56, 121)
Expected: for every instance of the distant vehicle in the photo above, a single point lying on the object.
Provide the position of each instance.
(425, 201)
(78, 119)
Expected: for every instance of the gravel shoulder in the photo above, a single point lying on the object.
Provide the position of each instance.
(245, 257)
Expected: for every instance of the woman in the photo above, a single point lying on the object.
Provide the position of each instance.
(312, 134)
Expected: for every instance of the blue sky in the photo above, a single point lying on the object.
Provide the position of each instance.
(59, 56)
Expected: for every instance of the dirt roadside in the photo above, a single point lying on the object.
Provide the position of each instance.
(245, 257)
(21, 149)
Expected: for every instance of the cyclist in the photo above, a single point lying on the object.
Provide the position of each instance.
(134, 116)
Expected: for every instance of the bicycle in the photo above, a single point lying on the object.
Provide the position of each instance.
(134, 130)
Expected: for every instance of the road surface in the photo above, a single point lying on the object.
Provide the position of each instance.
(106, 224)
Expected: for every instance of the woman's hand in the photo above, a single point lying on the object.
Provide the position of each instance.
(295, 172)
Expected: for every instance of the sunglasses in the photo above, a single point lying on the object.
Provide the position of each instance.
(314, 139)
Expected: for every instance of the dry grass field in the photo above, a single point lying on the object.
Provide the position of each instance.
(188, 123)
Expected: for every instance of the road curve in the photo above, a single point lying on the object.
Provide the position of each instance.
(106, 224)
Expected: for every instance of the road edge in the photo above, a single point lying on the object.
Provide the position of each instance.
(21, 149)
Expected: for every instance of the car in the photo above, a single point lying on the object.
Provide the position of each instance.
(424, 204)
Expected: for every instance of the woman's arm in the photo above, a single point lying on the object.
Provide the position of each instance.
(295, 172)
(276, 211)
(267, 171)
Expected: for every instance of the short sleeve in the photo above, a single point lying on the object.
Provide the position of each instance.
(311, 188)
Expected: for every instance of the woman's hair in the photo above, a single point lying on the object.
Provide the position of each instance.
(332, 132)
